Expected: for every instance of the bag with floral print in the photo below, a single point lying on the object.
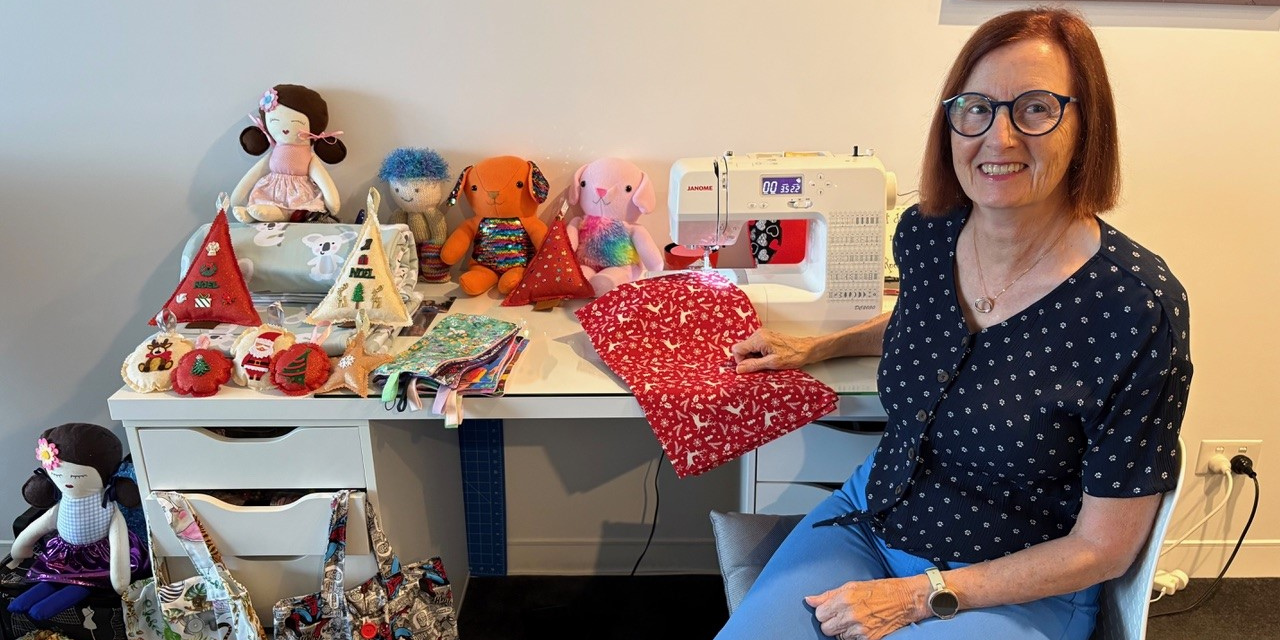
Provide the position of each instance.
(208, 606)
(409, 602)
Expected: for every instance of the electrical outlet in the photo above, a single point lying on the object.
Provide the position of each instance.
(1228, 448)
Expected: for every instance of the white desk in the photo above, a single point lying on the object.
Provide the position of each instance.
(558, 375)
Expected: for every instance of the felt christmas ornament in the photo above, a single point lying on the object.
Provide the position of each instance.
(150, 366)
(202, 371)
(253, 352)
(301, 369)
(611, 246)
(353, 368)
(365, 282)
(554, 273)
(500, 238)
(214, 289)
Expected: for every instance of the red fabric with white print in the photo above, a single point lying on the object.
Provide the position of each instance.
(669, 339)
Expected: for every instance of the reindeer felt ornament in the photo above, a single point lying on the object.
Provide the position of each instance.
(149, 367)
(611, 247)
(93, 546)
(504, 231)
(290, 182)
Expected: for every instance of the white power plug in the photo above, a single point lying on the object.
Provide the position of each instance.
(1220, 464)
(1169, 582)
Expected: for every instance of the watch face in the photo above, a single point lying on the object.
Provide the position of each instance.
(944, 603)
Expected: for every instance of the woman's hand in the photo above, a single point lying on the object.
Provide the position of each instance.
(868, 610)
(767, 349)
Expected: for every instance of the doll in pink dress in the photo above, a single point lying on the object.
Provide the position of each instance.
(289, 183)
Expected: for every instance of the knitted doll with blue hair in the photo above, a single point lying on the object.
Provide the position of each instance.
(419, 181)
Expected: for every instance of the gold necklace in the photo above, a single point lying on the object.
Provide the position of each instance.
(986, 303)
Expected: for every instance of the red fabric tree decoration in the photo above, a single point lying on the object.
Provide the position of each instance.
(214, 288)
(553, 274)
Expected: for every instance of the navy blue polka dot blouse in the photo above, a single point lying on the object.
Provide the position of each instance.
(992, 437)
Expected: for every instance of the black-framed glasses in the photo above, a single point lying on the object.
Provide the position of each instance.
(1033, 113)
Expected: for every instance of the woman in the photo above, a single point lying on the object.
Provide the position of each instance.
(1034, 371)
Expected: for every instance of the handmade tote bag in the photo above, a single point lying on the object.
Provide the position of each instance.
(400, 602)
(208, 606)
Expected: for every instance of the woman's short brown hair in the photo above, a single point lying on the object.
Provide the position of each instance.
(1092, 186)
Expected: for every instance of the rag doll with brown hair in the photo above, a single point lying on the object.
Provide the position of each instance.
(92, 545)
(289, 183)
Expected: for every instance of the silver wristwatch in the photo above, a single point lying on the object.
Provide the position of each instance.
(942, 601)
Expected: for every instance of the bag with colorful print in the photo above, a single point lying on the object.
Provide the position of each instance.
(208, 606)
(413, 601)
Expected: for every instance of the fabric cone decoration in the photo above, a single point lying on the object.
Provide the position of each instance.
(214, 289)
(365, 282)
(553, 274)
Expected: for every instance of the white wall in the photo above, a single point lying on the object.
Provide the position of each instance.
(119, 126)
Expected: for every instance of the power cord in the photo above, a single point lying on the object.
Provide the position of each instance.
(1218, 464)
(1243, 465)
(657, 500)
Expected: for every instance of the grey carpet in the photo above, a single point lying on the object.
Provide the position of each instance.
(620, 607)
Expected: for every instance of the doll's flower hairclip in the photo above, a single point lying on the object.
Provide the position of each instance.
(269, 101)
(47, 454)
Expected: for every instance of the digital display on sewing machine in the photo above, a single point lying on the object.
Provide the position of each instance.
(781, 185)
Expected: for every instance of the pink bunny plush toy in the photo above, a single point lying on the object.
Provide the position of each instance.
(93, 546)
(611, 247)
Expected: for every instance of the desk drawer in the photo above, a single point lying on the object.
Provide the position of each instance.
(304, 458)
(816, 452)
(295, 529)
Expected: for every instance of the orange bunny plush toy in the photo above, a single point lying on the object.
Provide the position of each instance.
(504, 193)
(611, 247)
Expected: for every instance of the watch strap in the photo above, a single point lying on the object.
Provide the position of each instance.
(935, 578)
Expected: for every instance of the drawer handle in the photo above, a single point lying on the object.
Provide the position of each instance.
(852, 426)
(829, 486)
(247, 434)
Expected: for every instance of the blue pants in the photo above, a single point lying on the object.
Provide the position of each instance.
(811, 561)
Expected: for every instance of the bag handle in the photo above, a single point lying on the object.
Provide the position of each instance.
(388, 562)
(335, 556)
(190, 531)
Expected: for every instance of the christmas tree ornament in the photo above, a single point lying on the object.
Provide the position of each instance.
(202, 371)
(554, 274)
(304, 367)
(365, 282)
(214, 289)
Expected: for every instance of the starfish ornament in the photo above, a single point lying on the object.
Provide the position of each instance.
(351, 371)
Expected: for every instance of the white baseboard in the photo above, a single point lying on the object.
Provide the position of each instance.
(1205, 558)
(585, 556)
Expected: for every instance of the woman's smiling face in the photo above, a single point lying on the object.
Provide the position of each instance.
(1004, 169)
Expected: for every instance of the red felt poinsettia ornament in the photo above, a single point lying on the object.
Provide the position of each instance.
(214, 288)
(554, 273)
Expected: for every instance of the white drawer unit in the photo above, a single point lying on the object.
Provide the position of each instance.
(179, 458)
(794, 473)
(409, 469)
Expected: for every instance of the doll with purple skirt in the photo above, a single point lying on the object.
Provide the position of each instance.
(91, 545)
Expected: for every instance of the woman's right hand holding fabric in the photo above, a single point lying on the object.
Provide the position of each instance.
(766, 349)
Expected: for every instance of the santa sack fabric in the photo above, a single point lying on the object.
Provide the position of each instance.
(413, 601)
(208, 606)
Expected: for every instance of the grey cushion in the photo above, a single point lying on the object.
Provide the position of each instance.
(744, 543)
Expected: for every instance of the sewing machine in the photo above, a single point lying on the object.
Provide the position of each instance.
(843, 198)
